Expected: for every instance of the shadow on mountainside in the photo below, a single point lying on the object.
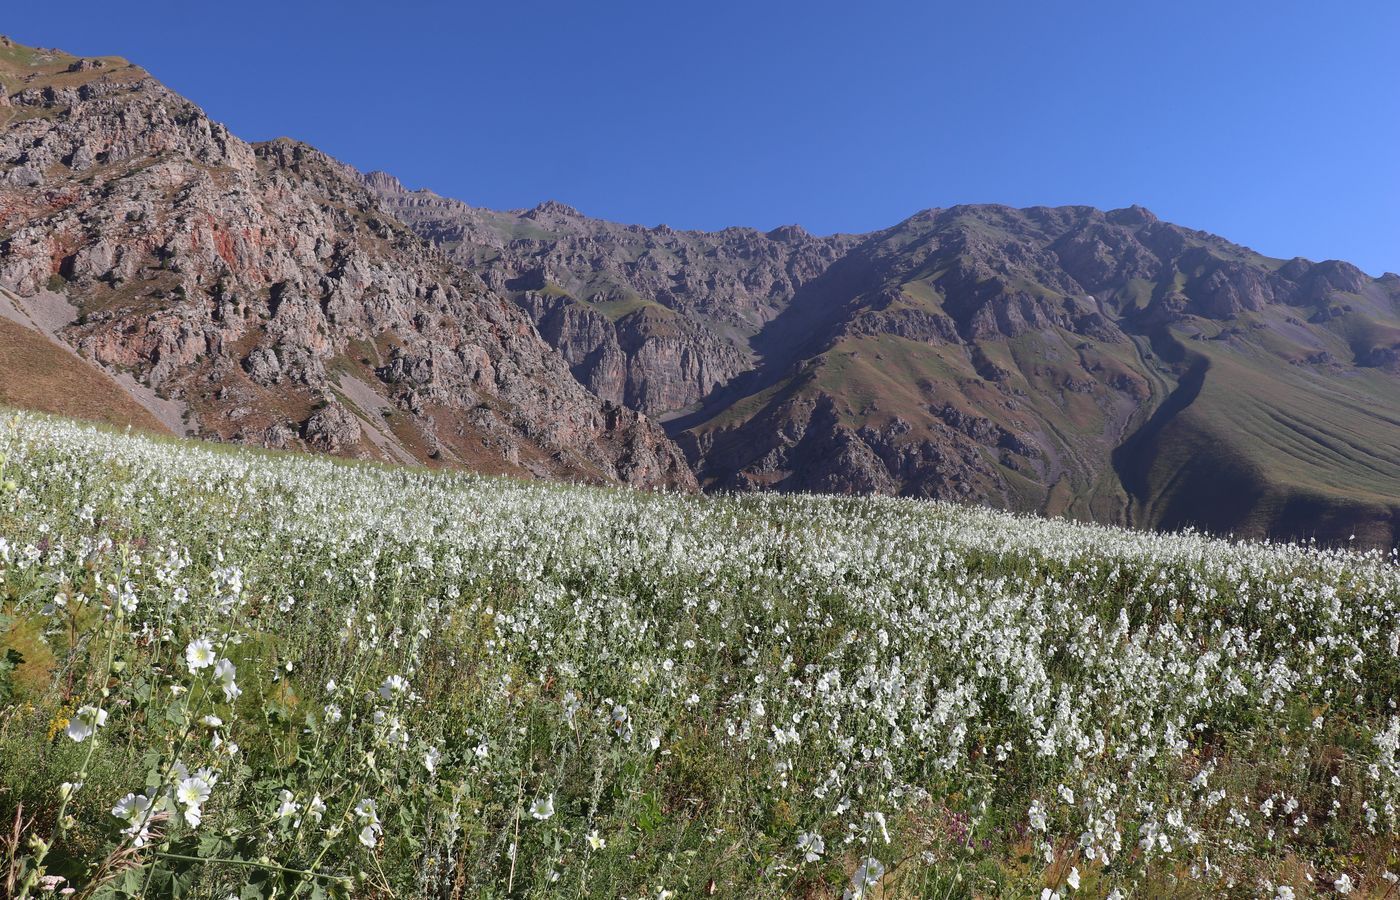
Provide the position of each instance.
(802, 330)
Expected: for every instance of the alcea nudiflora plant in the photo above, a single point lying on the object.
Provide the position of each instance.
(287, 676)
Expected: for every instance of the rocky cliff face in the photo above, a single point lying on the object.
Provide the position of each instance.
(652, 318)
(264, 288)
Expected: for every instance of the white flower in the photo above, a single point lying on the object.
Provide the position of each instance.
(867, 875)
(879, 818)
(431, 758)
(135, 810)
(1073, 879)
(1343, 884)
(595, 842)
(192, 793)
(225, 671)
(85, 723)
(199, 654)
(287, 805)
(366, 811)
(542, 808)
(811, 846)
(1036, 814)
(393, 686)
(212, 721)
(316, 808)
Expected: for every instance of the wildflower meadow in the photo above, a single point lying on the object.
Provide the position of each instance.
(236, 674)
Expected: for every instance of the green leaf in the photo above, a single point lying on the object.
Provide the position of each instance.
(651, 817)
(213, 846)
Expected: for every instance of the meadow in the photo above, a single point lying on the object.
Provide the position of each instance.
(235, 674)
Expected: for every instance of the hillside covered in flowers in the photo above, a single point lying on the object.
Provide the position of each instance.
(230, 673)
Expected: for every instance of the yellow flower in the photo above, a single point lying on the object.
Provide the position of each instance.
(57, 723)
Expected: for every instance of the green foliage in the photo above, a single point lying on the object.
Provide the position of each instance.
(10, 660)
(335, 680)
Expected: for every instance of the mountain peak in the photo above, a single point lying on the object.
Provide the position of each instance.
(553, 209)
(789, 233)
(1131, 215)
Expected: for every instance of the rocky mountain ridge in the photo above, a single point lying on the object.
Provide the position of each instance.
(652, 318)
(1067, 360)
(263, 288)
(1106, 365)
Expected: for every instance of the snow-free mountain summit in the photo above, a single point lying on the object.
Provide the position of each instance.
(158, 271)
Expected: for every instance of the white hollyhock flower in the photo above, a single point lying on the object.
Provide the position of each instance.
(85, 723)
(367, 812)
(192, 793)
(135, 810)
(393, 686)
(287, 805)
(226, 672)
(811, 845)
(1036, 815)
(131, 807)
(542, 808)
(199, 654)
(867, 875)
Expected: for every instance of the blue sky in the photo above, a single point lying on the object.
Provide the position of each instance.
(1275, 124)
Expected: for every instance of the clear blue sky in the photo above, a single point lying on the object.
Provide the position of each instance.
(1276, 124)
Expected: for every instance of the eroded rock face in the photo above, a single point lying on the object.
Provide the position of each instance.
(333, 428)
(253, 281)
(653, 318)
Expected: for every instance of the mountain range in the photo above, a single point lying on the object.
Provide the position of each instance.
(1105, 365)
